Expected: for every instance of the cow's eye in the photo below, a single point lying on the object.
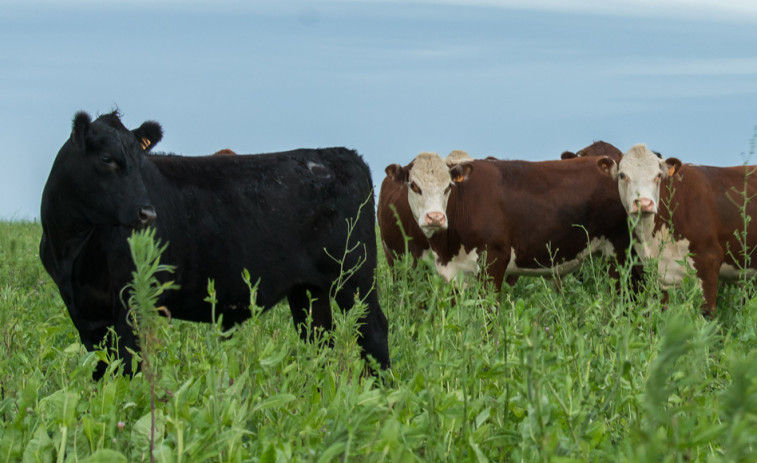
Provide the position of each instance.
(415, 188)
(105, 159)
(622, 176)
(659, 175)
(449, 187)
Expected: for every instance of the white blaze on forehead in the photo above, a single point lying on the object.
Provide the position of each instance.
(638, 176)
(430, 175)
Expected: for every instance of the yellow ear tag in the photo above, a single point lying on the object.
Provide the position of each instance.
(671, 171)
(458, 178)
(145, 143)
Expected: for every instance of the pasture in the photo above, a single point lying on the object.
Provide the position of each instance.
(536, 373)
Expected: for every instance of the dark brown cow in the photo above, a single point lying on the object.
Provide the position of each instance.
(531, 218)
(597, 149)
(392, 225)
(703, 205)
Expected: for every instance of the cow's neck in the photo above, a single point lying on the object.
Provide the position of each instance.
(69, 236)
(655, 239)
(646, 244)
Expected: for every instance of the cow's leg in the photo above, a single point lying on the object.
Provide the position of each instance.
(373, 326)
(92, 334)
(126, 341)
(707, 271)
(665, 299)
(304, 302)
(496, 267)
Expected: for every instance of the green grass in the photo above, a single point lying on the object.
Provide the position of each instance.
(535, 373)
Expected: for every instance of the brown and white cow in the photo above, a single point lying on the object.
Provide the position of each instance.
(597, 149)
(531, 218)
(703, 205)
(392, 225)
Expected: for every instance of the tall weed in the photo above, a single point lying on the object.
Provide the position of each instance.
(534, 373)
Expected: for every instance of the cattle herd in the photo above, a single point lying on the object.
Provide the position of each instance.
(302, 223)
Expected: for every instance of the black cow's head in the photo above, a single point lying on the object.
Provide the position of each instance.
(97, 178)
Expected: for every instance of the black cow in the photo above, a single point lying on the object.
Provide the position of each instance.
(283, 216)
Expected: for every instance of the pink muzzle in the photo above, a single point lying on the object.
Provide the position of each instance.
(643, 205)
(435, 219)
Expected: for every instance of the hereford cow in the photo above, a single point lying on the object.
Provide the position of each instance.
(597, 149)
(395, 226)
(531, 218)
(282, 216)
(224, 152)
(702, 204)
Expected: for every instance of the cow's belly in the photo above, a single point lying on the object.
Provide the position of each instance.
(729, 272)
(596, 245)
(463, 263)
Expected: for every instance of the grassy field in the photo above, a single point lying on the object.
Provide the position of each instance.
(536, 373)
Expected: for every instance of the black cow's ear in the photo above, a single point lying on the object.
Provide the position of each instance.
(460, 172)
(568, 155)
(80, 128)
(608, 167)
(396, 172)
(148, 134)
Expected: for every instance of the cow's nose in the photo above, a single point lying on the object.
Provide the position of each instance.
(435, 219)
(147, 215)
(643, 205)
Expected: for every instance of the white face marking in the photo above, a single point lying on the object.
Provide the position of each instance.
(429, 187)
(639, 174)
(464, 263)
(596, 246)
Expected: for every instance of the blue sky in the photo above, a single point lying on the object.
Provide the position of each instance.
(512, 79)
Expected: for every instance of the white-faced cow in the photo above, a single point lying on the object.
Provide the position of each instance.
(531, 218)
(394, 227)
(282, 216)
(688, 217)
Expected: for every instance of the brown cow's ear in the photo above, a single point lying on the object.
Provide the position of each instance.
(148, 134)
(568, 155)
(460, 172)
(608, 167)
(80, 128)
(396, 172)
(670, 166)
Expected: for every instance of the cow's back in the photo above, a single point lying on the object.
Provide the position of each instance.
(282, 216)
